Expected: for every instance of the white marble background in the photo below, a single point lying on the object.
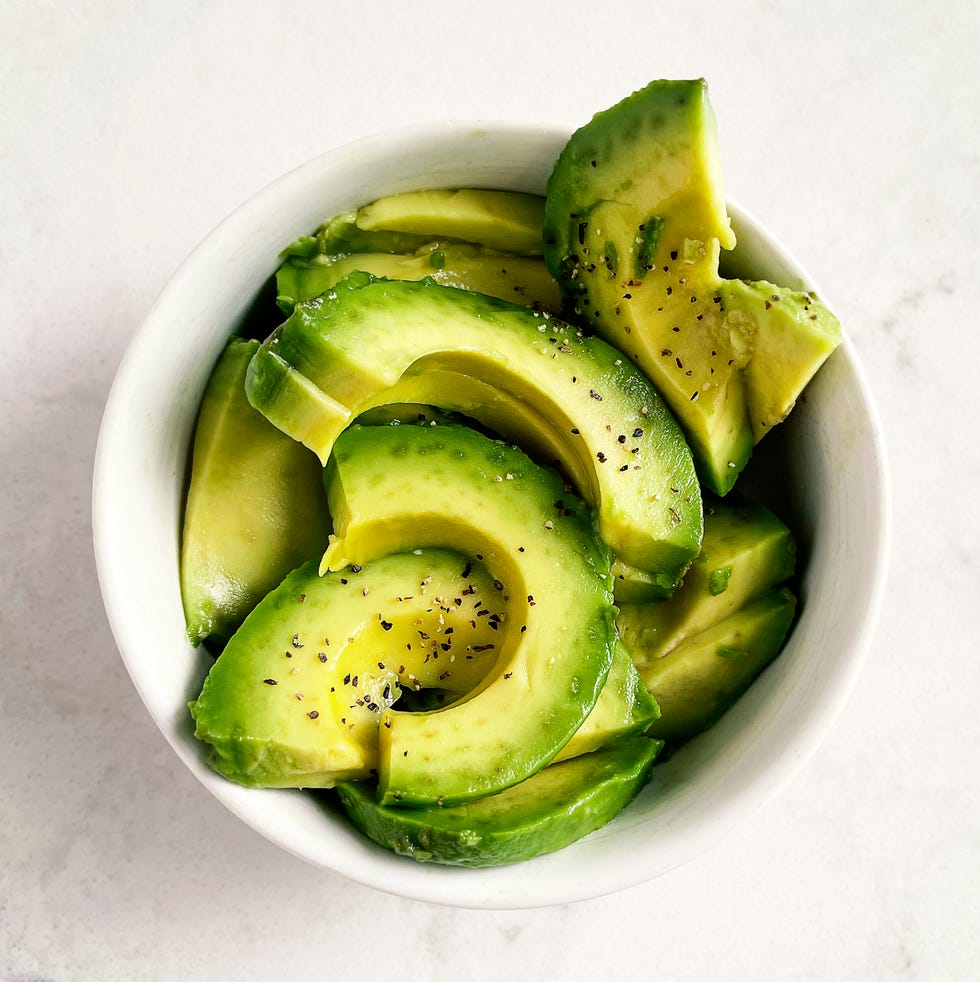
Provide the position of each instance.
(128, 129)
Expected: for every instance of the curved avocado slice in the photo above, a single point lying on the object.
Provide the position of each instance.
(624, 706)
(506, 220)
(295, 698)
(340, 235)
(521, 279)
(634, 223)
(368, 341)
(393, 489)
(255, 509)
(548, 811)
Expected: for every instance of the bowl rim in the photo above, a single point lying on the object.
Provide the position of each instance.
(427, 882)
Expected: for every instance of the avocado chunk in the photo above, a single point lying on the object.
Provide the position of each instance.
(698, 681)
(746, 550)
(504, 220)
(255, 509)
(634, 223)
(521, 279)
(525, 375)
(295, 698)
(548, 811)
(399, 488)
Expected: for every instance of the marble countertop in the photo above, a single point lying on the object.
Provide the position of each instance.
(127, 131)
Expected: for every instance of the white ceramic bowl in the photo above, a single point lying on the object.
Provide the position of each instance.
(829, 479)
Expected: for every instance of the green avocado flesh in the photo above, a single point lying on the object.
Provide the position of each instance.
(548, 811)
(255, 506)
(525, 375)
(295, 698)
(485, 241)
(625, 707)
(697, 651)
(447, 519)
(696, 682)
(634, 223)
(746, 550)
(504, 220)
(634, 585)
(523, 280)
(341, 235)
(399, 488)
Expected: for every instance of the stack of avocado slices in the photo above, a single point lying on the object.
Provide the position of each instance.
(459, 529)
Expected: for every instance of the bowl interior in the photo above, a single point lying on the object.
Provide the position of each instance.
(823, 469)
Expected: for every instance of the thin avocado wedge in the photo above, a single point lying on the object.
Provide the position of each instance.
(340, 235)
(548, 811)
(504, 220)
(255, 509)
(625, 707)
(635, 220)
(699, 680)
(746, 550)
(521, 279)
(295, 698)
(399, 488)
(525, 375)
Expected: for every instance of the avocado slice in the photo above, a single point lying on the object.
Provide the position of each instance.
(506, 220)
(379, 639)
(521, 279)
(698, 681)
(255, 509)
(295, 697)
(524, 374)
(624, 708)
(634, 223)
(548, 811)
(398, 488)
(340, 235)
(746, 550)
